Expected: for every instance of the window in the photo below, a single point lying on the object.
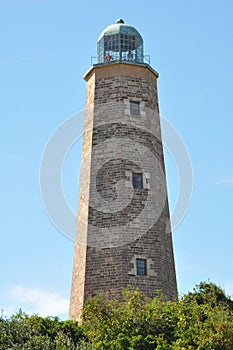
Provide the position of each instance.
(134, 108)
(137, 180)
(141, 267)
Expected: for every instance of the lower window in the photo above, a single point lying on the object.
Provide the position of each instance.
(141, 267)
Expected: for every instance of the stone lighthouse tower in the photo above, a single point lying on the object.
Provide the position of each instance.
(123, 235)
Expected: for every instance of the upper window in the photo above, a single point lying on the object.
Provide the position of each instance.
(134, 108)
(137, 180)
(141, 267)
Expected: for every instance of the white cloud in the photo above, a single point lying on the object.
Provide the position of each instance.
(228, 181)
(228, 288)
(39, 301)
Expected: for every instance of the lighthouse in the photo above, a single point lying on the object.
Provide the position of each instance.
(123, 233)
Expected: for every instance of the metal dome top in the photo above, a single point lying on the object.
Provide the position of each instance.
(120, 27)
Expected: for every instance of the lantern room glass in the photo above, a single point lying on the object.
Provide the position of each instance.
(120, 47)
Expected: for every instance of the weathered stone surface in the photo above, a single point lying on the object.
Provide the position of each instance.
(117, 223)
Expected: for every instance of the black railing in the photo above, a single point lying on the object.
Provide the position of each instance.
(146, 59)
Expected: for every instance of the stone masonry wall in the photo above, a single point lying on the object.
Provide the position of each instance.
(121, 223)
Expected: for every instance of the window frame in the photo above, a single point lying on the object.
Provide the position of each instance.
(134, 107)
(141, 270)
(140, 181)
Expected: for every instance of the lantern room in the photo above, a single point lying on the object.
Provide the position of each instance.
(120, 42)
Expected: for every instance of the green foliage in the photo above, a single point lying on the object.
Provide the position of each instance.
(209, 293)
(24, 332)
(200, 320)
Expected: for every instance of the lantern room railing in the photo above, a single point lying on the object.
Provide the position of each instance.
(116, 58)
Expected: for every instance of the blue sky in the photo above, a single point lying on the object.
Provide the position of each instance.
(46, 47)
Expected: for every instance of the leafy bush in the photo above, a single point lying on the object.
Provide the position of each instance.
(200, 320)
(21, 331)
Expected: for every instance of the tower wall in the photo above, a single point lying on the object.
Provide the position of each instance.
(118, 224)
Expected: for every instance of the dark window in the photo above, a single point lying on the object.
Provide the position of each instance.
(134, 108)
(137, 180)
(141, 267)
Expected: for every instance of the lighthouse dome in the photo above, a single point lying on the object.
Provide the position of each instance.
(120, 41)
